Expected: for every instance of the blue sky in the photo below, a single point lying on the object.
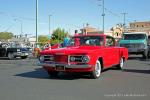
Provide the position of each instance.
(69, 14)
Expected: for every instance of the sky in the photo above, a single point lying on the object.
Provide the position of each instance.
(68, 14)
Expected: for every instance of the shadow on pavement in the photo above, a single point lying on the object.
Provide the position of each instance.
(40, 73)
(134, 58)
(138, 58)
(37, 73)
(137, 71)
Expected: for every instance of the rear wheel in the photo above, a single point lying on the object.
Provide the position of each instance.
(121, 63)
(97, 70)
(23, 57)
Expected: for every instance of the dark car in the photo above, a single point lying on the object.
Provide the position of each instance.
(13, 50)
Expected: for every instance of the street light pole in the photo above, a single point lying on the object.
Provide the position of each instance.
(36, 22)
(103, 17)
(49, 24)
(21, 26)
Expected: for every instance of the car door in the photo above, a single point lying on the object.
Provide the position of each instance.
(111, 52)
(2, 51)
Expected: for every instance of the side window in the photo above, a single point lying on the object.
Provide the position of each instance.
(110, 41)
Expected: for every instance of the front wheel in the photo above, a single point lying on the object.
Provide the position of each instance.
(145, 55)
(148, 55)
(10, 55)
(121, 63)
(97, 70)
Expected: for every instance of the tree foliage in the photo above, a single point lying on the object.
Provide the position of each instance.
(58, 35)
(43, 39)
(6, 35)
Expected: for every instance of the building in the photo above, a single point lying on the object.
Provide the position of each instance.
(90, 30)
(117, 31)
(32, 41)
(139, 27)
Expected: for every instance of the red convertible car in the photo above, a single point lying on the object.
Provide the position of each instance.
(86, 53)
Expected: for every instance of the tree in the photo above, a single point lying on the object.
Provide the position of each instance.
(58, 35)
(43, 40)
(6, 35)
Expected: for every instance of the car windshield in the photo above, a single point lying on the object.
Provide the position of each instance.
(134, 36)
(86, 40)
(17, 45)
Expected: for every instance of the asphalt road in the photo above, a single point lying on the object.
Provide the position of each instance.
(23, 80)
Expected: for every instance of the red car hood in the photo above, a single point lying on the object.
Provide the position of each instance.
(71, 50)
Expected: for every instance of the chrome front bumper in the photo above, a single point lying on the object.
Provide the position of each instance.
(49, 64)
(20, 54)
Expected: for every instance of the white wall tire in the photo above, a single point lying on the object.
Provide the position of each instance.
(97, 70)
(121, 63)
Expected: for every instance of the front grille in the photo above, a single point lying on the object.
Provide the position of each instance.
(76, 58)
(56, 58)
(61, 58)
(131, 45)
(48, 58)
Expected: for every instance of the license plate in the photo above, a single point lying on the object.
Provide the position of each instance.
(60, 68)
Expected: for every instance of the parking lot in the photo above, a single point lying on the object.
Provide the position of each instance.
(24, 80)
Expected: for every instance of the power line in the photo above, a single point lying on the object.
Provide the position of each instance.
(18, 17)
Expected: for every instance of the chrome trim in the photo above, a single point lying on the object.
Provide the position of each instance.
(62, 64)
(77, 55)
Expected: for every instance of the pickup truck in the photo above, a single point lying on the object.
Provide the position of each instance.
(149, 46)
(90, 54)
(136, 42)
(13, 50)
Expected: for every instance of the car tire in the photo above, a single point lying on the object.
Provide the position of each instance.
(10, 55)
(53, 74)
(121, 63)
(23, 57)
(97, 70)
(145, 55)
(148, 54)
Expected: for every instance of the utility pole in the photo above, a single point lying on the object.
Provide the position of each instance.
(103, 14)
(124, 19)
(50, 24)
(103, 17)
(36, 22)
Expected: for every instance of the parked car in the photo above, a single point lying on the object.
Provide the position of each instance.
(13, 50)
(136, 42)
(85, 54)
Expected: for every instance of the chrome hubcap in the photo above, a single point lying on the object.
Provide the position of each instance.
(121, 62)
(98, 69)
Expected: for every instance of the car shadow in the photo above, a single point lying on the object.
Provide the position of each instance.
(138, 58)
(40, 73)
(5, 58)
(128, 70)
(137, 71)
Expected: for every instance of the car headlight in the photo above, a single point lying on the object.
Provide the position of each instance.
(18, 50)
(41, 58)
(72, 58)
(142, 46)
(85, 59)
(51, 58)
